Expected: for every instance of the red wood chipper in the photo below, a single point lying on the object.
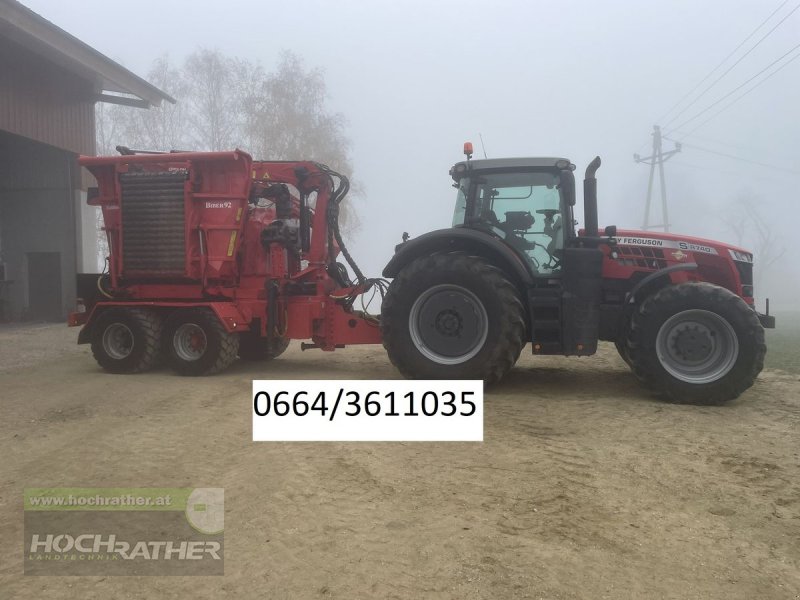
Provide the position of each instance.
(219, 255)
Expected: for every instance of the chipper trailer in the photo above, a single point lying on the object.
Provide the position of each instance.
(213, 255)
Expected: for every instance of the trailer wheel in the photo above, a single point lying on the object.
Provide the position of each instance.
(126, 340)
(255, 347)
(452, 316)
(197, 343)
(696, 343)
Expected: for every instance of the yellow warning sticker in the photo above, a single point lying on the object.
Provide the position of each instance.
(231, 243)
(238, 214)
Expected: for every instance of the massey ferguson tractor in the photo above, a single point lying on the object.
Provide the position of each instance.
(214, 256)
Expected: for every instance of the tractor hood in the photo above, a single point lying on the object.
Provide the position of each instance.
(678, 245)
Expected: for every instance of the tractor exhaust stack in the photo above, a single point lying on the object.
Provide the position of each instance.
(590, 198)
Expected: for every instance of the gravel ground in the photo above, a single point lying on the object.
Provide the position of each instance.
(585, 487)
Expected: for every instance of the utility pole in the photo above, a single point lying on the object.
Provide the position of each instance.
(657, 159)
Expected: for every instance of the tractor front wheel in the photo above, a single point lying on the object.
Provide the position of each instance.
(696, 343)
(197, 343)
(126, 340)
(452, 316)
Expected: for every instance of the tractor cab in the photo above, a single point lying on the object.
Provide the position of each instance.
(525, 202)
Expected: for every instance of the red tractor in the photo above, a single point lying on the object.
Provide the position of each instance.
(214, 255)
(512, 270)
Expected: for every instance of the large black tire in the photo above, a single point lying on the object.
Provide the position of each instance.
(621, 344)
(196, 343)
(696, 343)
(254, 347)
(127, 340)
(452, 316)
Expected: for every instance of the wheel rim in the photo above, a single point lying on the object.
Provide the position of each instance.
(118, 341)
(448, 324)
(697, 346)
(190, 342)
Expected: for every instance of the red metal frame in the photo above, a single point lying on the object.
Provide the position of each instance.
(226, 268)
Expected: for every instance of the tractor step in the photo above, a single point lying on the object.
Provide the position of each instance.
(545, 316)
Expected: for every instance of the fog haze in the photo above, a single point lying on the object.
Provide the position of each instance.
(573, 79)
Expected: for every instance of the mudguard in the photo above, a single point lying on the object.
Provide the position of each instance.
(460, 239)
(630, 298)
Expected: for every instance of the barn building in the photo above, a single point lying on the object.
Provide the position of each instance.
(50, 82)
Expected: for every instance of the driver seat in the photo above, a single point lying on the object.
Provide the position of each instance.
(557, 237)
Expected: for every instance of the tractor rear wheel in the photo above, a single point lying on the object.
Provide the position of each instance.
(126, 340)
(197, 343)
(621, 344)
(255, 347)
(452, 316)
(696, 343)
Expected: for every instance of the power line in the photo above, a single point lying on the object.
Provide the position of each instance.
(727, 106)
(704, 138)
(745, 176)
(750, 176)
(724, 60)
(684, 165)
(737, 88)
(658, 157)
(677, 163)
(729, 69)
(739, 158)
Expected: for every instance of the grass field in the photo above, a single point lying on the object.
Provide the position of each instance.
(783, 342)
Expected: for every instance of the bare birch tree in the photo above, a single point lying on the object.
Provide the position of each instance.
(752, 231)
(213, 99)
(285, 118)
(226, 102)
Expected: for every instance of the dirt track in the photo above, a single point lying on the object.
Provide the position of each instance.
(584, 488)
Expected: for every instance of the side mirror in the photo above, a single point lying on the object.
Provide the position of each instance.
(611, 231)
(568, 186)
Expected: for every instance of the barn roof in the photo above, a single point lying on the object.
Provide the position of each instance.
(113, 82)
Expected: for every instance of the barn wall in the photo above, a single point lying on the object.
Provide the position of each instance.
(37, 215)
(44, 102)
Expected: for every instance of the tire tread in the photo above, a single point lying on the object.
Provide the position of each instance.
(146, 321)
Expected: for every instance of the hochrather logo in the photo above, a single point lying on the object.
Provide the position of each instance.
(124, 531)
(93, 543)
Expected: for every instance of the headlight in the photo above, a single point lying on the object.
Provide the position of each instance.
(741, 256)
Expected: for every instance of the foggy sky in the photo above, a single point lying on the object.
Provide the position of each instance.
(574, 79)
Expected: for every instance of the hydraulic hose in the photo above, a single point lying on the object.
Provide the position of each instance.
(337, 196)
(341, 185)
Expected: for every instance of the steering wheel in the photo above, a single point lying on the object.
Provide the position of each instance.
(548, 213)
